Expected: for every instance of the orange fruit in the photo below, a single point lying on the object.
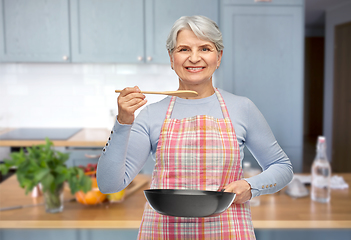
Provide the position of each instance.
(94, 183)
(94, 196)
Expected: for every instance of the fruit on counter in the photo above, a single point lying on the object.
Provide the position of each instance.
(116, 197)
(92, 197)
(89, 169)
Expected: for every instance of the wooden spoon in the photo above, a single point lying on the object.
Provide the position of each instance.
(179, 93)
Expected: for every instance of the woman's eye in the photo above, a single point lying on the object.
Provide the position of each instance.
(183, 50)
(205, 49)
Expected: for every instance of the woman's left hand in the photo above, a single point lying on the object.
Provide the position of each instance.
(241, 188)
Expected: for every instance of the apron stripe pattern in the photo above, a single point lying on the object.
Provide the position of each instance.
(201, 153)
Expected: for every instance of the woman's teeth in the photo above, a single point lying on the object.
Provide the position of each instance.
(194, 69)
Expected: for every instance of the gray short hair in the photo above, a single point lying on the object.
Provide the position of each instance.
(203, 27)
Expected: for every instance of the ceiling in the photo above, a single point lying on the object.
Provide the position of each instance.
(315, 11)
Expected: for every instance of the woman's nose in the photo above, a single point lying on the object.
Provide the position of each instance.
(194, 57)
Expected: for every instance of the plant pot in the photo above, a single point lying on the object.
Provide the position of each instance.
(54, 200)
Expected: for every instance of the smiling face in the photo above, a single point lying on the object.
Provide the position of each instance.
(194, 60)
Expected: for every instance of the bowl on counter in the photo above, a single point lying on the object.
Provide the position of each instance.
(188, 202)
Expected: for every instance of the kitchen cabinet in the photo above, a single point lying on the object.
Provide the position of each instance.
(69, 234)
(263, 60)
(82, 156)
(160, 16)
(129, 31)
(29, 234)
(107, 31)
(34, 31)
(102, 31)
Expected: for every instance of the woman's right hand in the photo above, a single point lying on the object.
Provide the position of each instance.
(128, 101)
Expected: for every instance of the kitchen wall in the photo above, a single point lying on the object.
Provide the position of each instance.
(334, 16)
(73, 95)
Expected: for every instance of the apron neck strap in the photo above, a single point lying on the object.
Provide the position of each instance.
(219, 97)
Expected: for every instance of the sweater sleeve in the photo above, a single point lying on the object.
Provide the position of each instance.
(277, 168)
(124, 155)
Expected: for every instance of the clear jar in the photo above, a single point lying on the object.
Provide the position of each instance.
(54, 200)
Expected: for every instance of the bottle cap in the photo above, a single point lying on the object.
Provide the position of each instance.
(321, 139)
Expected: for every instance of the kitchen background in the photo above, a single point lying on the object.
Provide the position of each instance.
(73, 95)
(297, 48)
(42, 85)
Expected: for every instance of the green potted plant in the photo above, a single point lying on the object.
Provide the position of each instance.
(42, 164)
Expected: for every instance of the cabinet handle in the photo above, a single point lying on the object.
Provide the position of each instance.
(92, 155)
(149, 59)
(65, 58)
(140, 58)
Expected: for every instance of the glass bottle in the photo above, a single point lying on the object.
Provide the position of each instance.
(321, 173)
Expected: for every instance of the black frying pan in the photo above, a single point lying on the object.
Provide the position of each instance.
(188, 203)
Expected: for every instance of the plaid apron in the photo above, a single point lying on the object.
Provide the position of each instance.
(201, 153)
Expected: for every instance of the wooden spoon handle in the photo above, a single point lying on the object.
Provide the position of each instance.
(179, 93)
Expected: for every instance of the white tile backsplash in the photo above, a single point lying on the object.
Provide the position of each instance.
(73, 95)
(17, 90)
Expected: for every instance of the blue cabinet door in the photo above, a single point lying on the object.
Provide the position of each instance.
(34, 31)
(160, 16)
(107, 31)
(263, 60)
(83, 156)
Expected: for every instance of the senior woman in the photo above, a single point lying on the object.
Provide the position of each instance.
(197, 143)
